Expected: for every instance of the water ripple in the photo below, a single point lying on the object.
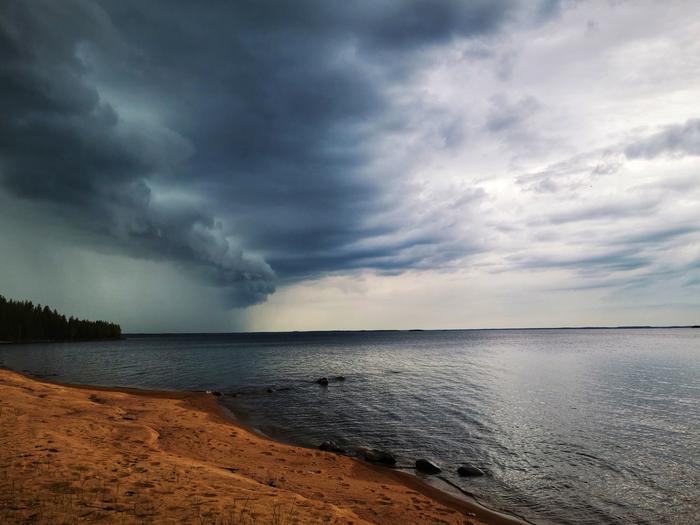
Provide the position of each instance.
(571, 426)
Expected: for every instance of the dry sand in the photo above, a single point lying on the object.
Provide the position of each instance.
(89, 455)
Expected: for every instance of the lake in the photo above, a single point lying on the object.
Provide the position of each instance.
(570, 425)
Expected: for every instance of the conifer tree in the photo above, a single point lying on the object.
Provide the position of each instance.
(22, 321)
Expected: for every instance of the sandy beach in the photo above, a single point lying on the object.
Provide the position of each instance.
(72, 454)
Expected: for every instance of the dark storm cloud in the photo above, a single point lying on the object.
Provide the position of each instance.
(62, 145)
(236, 140)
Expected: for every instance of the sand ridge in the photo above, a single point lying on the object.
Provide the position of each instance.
(91, 455)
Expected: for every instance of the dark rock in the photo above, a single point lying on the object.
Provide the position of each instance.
(469, 471)
(331, 446)
(374, 455)
(269, 391)
(216, 393)
(340, 378)
(323, 381)
(427, 467)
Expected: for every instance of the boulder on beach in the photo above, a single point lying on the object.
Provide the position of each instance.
(427, 467)
(323, 381)
(216, 393)
(469, 471)
(374, 455)
(331, 446)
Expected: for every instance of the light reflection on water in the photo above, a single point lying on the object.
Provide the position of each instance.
(578, 426)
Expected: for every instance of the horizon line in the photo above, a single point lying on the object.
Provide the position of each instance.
(360, 330)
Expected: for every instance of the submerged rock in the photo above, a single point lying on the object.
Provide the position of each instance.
(374, 455)
(339, 378)
(331, 446)
(469, 471)
(427, 467)
(323, 381)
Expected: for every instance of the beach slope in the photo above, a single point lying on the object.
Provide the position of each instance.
(90, 455)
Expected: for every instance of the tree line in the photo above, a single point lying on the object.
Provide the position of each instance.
(23, 321)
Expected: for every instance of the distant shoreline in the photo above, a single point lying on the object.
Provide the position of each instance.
(419, 330)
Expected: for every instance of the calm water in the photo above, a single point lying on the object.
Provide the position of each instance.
(572, 426)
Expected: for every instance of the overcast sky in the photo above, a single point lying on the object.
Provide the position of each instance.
(260, 165)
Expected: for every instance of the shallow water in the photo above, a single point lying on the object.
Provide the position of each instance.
(571, 426)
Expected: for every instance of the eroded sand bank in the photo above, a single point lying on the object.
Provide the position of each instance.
(90, 455)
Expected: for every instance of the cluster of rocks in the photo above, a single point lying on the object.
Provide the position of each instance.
(323, 381)
(374, 455)
(382, 457)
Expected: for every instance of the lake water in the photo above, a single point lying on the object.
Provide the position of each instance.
(571, 426)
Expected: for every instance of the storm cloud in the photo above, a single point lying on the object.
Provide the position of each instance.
(236, 140)
(261, 145)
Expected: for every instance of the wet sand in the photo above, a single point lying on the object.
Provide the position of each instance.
(71, 454)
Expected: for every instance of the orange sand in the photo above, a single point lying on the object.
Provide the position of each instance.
(90, 455)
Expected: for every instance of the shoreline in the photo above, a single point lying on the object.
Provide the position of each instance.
(406, 474)
(450, 489)
(183, 429)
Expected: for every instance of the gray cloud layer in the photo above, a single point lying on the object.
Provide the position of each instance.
(235, 140)
(259, 144)
(680, 140)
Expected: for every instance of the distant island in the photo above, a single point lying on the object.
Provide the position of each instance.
(24, 322)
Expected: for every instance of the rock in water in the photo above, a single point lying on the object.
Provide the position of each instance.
(427, 467)
(340, 378)
(374, 455)
(331, 446)
(469, 471)
(323, 381)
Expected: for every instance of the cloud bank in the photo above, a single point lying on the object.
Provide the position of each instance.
(259, 145)
(262, 116)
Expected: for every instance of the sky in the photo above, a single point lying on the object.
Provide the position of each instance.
(311, 165)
